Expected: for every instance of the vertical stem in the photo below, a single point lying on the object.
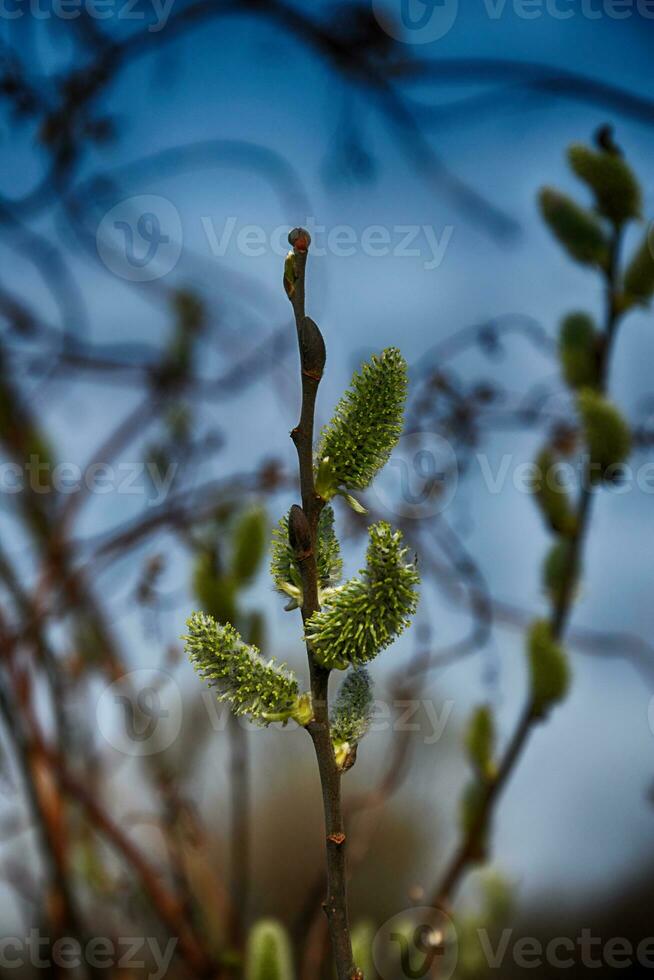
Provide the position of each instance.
(330, 777)
(239, 829)
(560, 615)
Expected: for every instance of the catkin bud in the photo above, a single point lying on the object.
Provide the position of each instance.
(299, 533)
(312, 348)
(363, 936)
(551, 498)
(577, 229)
(299, 239)
(639, 277)
(351, 715)
(611, 179)
(548, 668)
(480, 741)
(578, 350)
(269, 952)
(607, 434)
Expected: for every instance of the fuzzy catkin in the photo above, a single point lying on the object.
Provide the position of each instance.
(364, 615)
(251, 685)
(366, 426)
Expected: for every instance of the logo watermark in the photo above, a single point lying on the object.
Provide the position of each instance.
(40, 476)
(140, 239)
(421, 477)
(425, 21)
(154, 12)
(416, 21)
(98, 952)
(149, 708)
(416, 943)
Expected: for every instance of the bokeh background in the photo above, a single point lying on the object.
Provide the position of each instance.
(152, 162)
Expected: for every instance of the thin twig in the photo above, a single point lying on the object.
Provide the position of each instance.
(330, 776)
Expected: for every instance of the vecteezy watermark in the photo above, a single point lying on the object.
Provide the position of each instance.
(341, 241)
(154, 12)
(149, 707)
(421, 477)
(142, 714)
(140, 239)
(423, 21)
(563, 475)
(416, 21)
(422, 942)
(564, 952)
(43, 477)
(416, 943)
(143, 953)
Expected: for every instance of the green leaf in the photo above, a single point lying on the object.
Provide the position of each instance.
(365, 615)
(352, 502)
(548, 667)
(578, 230)
(248, 545)
(269, 952)
(366, 426)
(611, 179)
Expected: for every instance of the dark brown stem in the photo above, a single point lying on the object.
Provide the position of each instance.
(330, 777)
(469, 846)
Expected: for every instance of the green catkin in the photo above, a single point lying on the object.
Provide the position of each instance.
(639, 276)
(284, 568)
(363, 936)
(578, 350)
(480, 741)
(577, 229)
(613, 183)
(364, 616)
(607, 435)
(551, 498)
(366, 426)
(269, 952)
(352, 712)
(265, 691)
(249, 543)
(548, 668)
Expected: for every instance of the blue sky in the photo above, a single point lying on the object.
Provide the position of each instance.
(575, 814)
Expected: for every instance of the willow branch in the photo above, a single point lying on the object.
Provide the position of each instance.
(330, 777)
(529, 718)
